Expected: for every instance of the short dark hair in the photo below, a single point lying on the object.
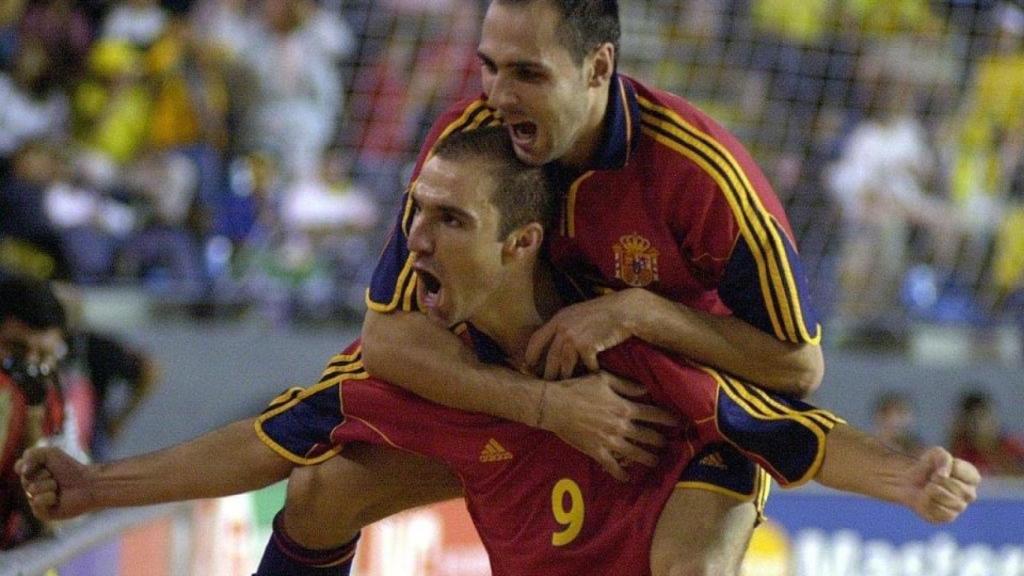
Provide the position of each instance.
(585, 25)
(522, 193)
(32, 302)
(974, 400)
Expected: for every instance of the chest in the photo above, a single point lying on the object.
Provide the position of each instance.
(630, 228)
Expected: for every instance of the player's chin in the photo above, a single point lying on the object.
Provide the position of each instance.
(439, 317)
(532, 153)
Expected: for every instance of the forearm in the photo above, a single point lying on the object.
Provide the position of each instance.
(729, 344)
(856, 462)
(411, 351)
(229, 460)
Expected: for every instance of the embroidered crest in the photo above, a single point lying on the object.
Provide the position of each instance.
(636, 261)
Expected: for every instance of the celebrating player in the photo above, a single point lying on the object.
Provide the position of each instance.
(667, 220)
(540, 506)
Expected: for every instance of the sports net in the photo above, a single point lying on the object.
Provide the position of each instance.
(892, 130)
(253, 151)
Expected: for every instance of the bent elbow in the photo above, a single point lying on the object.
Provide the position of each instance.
(811, 371)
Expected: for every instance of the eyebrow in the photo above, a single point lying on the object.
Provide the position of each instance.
(452, 208)
(520, 64)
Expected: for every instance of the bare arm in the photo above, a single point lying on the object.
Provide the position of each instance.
(589, 413)
(581, 331)
(730, 344)
(227, 461)
(935, 485)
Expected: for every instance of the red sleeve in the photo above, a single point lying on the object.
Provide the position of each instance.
(737, 233)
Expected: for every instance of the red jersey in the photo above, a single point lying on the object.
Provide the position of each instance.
(673, 203)
(540, 506)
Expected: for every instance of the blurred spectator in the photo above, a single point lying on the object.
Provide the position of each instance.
(120, 376)
(1008, 260)
(190, 105)
(296, 95)
(31, 105)
(881, 183)
(30, 243)
(138, 22)
(894, 423)
(386, 116)
(977, 436)
(224, 25)
(104, 377)
(31, 346)
(165, 249)
(91, 224)
(990, 159)
(11, 12)
(112, 109)
(891, 17)
(64, 32)
(329, 203)
(340, 220)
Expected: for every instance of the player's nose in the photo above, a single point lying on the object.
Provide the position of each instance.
(420, 241)
(500, 94)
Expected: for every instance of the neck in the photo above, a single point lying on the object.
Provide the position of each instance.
(519, 310)
(582, 156)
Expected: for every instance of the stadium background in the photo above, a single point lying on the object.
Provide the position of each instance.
(892, 130)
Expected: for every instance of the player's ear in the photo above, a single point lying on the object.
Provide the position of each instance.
(602, 64)
(525, 240)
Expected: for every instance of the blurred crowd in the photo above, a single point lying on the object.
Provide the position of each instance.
(205, 149)
(892, 129)
(232, 153)
(975, 433)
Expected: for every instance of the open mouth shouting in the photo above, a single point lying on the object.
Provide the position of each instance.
(524, 134)
(429, 292)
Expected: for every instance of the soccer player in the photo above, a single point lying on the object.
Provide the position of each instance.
(540, 507)
(667, 222)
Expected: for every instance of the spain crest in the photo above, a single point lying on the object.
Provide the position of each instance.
(636, 261)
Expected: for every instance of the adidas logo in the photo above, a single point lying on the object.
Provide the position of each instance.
(714, 460)
(494, 452)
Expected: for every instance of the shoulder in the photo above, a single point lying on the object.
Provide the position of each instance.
(665, 110)
(463, 115)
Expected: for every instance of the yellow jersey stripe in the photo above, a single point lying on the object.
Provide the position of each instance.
(826, 418)
(285, 396)
(754, 406)
(756, 223)
(762, 267)
(569, 223)
(737, 390)
(629, 119)
(758, 217)
(339, 359)
(812, 425)
(287, 454)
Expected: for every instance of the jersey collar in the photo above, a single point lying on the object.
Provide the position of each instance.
(621, 125)
(486, 349)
